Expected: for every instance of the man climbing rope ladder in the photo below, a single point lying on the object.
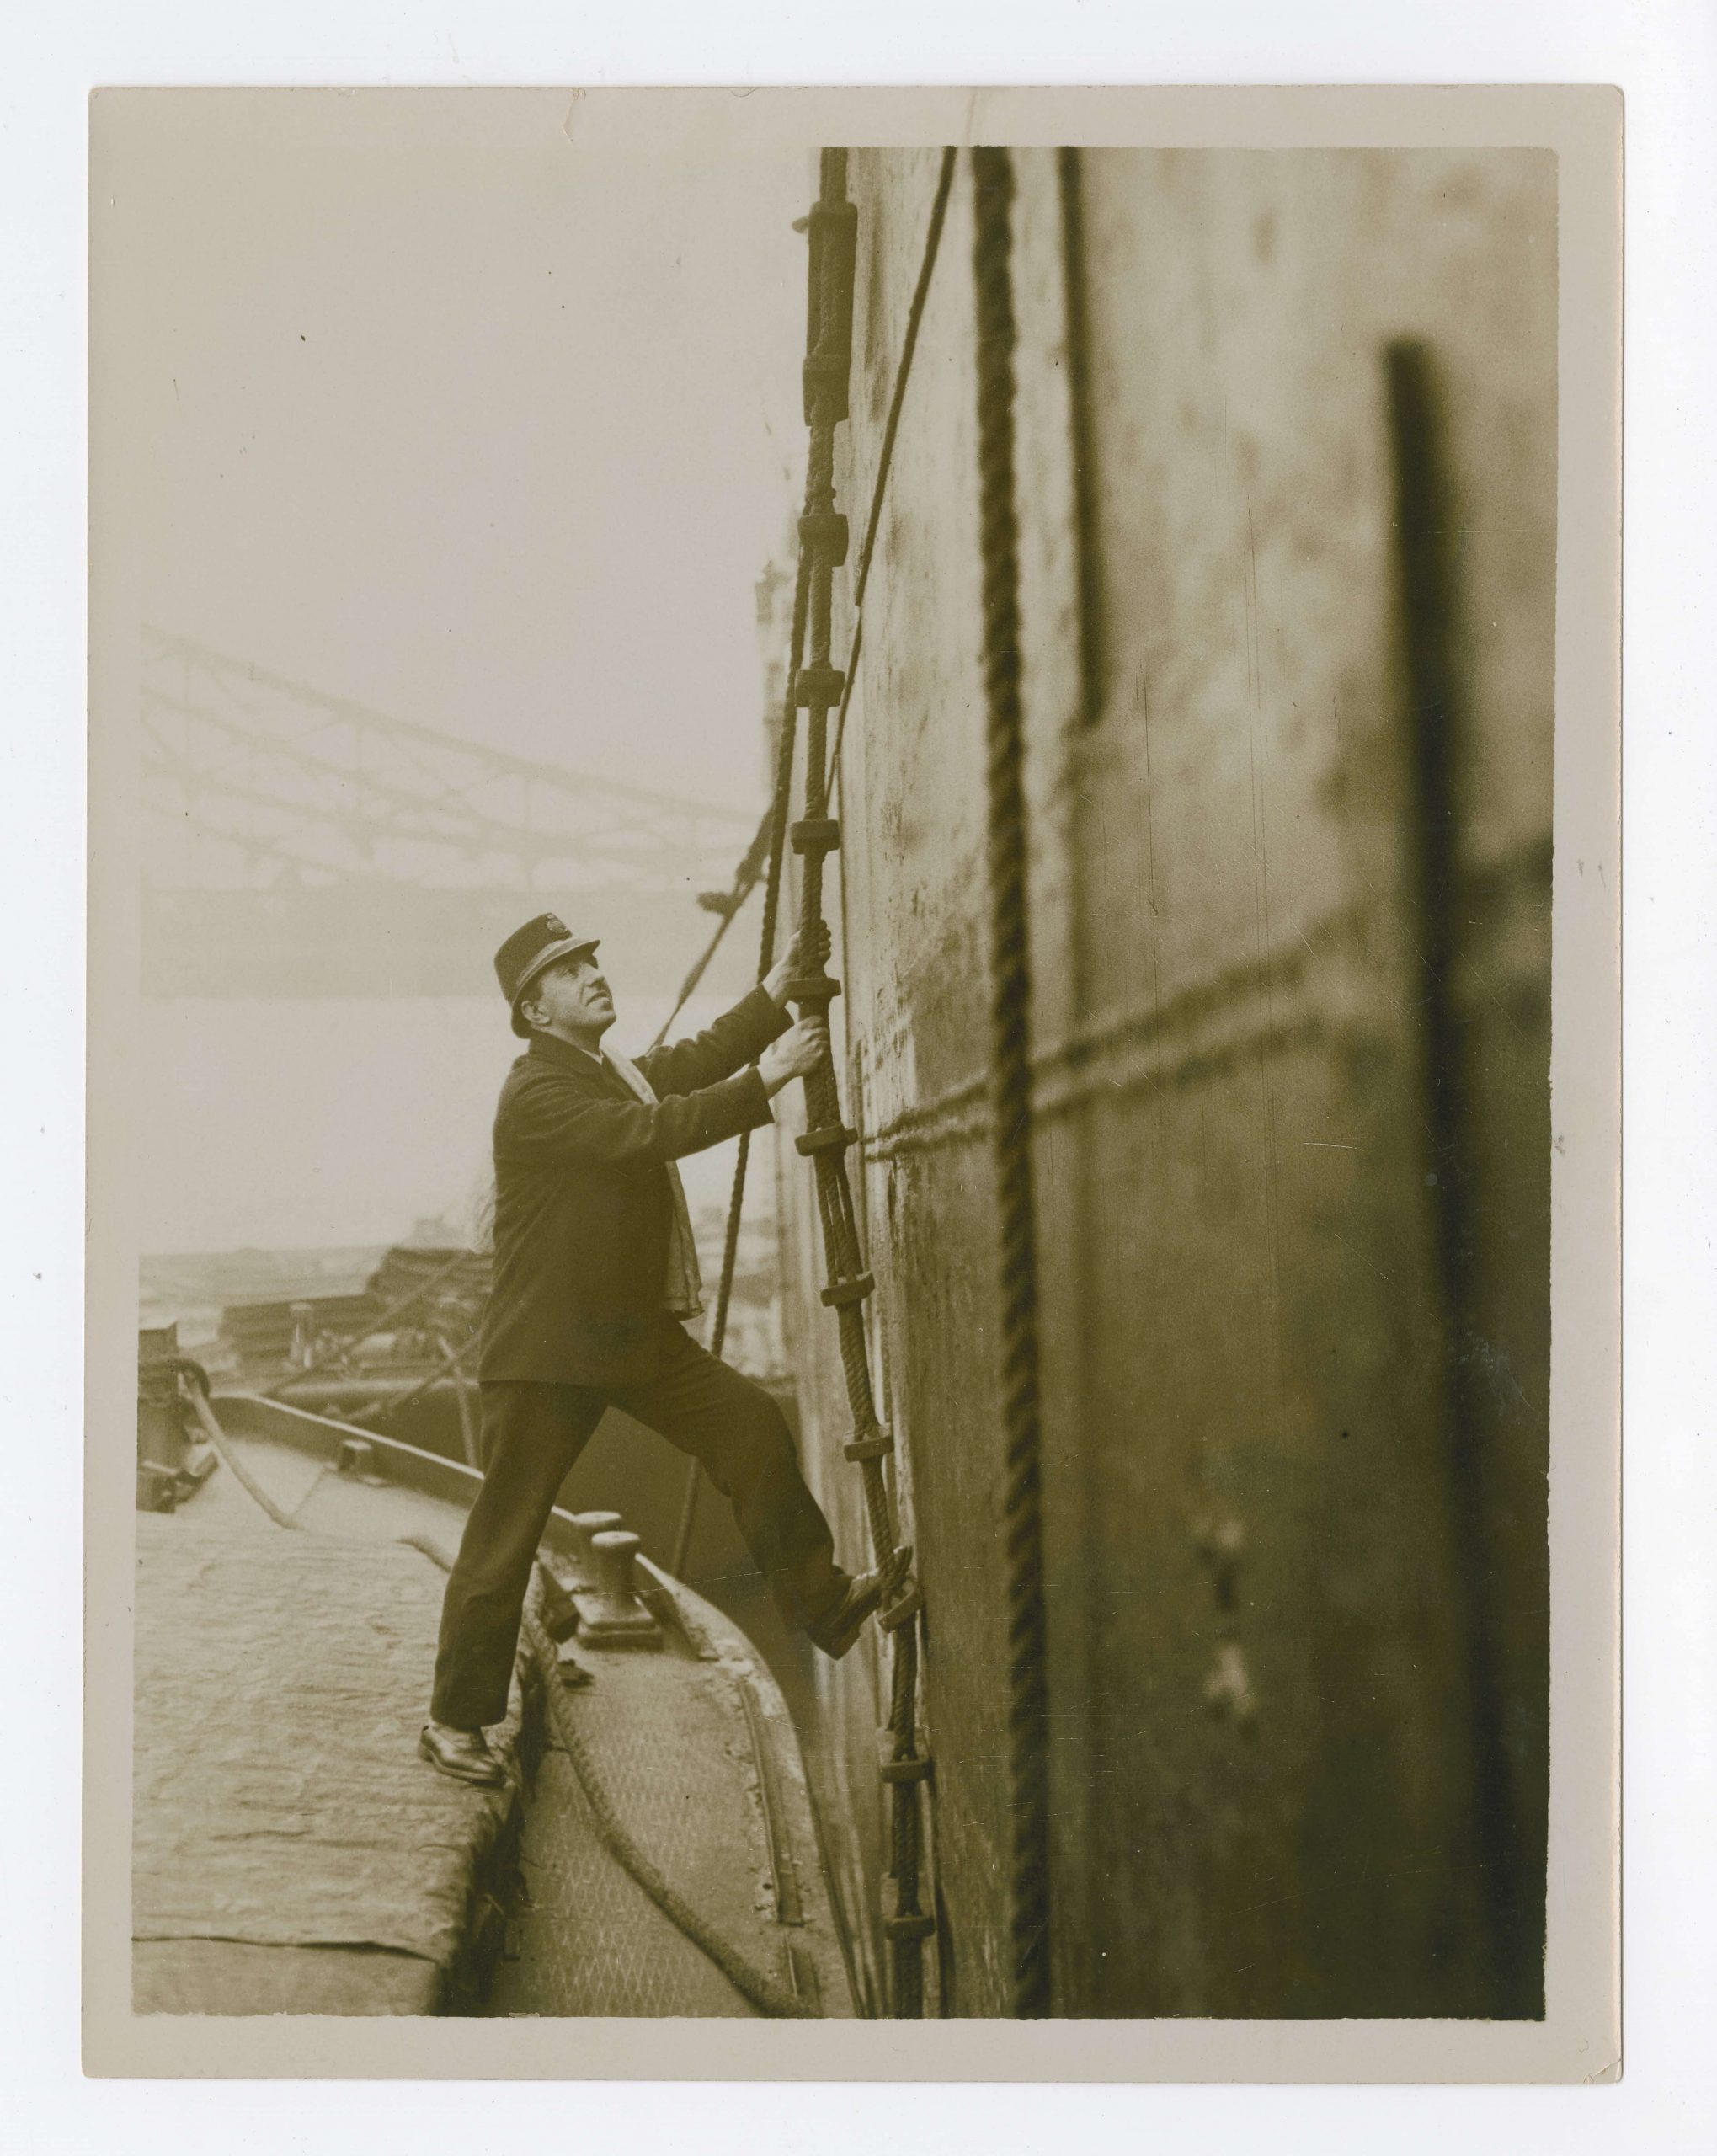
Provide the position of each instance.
(595, 1271)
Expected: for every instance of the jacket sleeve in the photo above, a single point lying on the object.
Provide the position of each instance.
(546, 1119)
(728, 1046)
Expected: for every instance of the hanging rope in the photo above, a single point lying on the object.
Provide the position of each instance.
(818, 687)
(382, 1409)
(774, 824)
(744, 883)
(1010, 1093)
(885, 456)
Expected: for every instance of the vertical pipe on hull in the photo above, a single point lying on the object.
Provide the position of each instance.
(1427, 567)
(1028, 1716)
(1070, 181)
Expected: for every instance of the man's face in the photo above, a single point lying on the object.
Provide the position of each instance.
(571, 997)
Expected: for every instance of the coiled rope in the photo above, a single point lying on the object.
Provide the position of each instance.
(763, 1992)
(1011, 1086)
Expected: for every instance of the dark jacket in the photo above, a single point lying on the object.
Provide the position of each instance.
(582, 1200)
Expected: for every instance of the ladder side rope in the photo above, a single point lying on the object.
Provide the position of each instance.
(817, 687)
(745, 876)
(775, 824)
(1010, 1083)
(885, 456)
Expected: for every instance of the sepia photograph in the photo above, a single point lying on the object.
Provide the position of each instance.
(831, 1175)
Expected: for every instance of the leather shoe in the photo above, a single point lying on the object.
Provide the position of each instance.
(463, 1753)
(836, 1633)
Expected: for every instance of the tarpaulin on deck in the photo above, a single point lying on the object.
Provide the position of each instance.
(282, 1680)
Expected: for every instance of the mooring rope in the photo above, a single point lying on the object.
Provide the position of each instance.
(1010, 1083)
(767, 1996)
(451, 1360)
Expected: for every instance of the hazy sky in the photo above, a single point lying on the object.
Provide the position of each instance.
(490, 425)
(472, 418)
(319, 1123)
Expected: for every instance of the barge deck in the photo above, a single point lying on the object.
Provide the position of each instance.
(293, 1855)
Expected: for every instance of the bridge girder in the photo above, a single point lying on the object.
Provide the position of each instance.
(251, 781)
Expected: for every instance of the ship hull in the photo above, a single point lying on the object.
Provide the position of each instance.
(1291, 1177)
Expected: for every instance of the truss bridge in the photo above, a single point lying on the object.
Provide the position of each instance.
(296, 843)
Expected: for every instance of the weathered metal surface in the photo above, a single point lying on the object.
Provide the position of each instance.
(1271, 1595)
(697, 1754)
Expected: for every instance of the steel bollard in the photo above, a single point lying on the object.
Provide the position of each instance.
(612, 1614)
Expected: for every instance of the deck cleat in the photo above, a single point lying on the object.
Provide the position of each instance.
(610, 1612)
(357, 1460)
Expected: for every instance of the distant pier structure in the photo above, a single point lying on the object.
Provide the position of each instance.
(299, 844)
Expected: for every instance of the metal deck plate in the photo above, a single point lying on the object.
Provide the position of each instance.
(670, 1735)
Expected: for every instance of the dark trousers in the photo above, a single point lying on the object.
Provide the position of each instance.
(532, 1435)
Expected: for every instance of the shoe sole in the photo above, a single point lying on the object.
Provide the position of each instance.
(844, 1640)
(497, 1779)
